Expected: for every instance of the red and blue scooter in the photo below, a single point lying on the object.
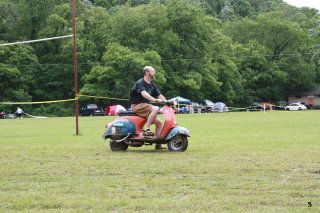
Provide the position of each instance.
(127, 130)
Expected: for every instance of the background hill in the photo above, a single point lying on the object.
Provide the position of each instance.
(233, 51)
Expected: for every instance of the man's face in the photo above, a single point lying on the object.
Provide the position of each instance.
(152, 74)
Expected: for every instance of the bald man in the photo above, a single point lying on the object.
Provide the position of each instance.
(141, 94)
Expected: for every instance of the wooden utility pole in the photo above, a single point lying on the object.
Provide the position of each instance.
(73, 6)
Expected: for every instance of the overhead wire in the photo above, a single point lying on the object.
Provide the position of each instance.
(36, 40)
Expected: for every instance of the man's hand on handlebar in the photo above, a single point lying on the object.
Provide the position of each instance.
(159, 101)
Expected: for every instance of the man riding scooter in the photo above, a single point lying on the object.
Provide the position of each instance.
(141, 94)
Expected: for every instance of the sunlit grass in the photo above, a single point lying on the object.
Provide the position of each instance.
(238, 162)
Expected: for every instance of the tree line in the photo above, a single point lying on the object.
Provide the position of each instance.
(237, 52)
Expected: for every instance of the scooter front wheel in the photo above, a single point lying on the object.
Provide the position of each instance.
(118, 146)
(178, 143)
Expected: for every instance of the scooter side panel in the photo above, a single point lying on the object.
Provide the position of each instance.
(137, 121)
(176, 131)
(126, 127)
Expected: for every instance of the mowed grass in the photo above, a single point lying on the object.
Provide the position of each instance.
(235, 162)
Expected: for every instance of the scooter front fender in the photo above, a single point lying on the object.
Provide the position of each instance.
(176, 131)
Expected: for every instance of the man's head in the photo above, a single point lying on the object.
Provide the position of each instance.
(149, 72)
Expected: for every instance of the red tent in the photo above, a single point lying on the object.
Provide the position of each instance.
(114, 110)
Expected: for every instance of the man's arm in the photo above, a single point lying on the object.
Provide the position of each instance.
(161, 97)
(150, 98)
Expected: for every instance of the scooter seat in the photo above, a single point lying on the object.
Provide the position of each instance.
(127, 113)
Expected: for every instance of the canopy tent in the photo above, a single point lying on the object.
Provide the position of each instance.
(114, 110)
(221, 106)
(182, 100)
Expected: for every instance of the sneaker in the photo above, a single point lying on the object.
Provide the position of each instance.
(159, 146)
(147, 132)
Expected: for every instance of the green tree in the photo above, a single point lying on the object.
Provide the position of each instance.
(271, 30)
(10, 88)
(227, 12)
(284, 41)
(18, 66)
(262, 79)
(55, 78)
(25, 18)
(120, 68)
(7, 20)
(201, 49)
(94, 30)
(302, 75)
(315, 35)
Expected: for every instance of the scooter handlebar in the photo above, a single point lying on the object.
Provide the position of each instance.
(171, 102)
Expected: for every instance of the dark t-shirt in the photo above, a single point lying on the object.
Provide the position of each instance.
(142, 85)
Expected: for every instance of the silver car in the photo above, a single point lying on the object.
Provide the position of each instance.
(296, 106)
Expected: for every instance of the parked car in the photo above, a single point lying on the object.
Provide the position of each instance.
(91, 110)
(281, 105)
(296, 106)
(309, 106)
(196, 107)
(208, 106)
(257, 107)
(9, 116)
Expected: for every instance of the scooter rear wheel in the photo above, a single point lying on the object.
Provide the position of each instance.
(118, 146)
(178, 143)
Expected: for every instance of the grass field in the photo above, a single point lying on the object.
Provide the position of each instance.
(235, 162)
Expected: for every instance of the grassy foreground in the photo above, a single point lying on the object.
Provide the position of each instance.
(235, 162)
